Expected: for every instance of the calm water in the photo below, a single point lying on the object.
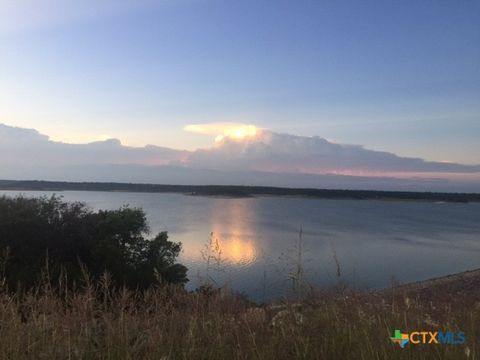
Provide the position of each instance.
(259, 238)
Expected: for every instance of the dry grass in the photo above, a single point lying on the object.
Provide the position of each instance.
(96, 322)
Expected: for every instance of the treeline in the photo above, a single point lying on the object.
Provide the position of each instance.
(238, 191)
(66, 240)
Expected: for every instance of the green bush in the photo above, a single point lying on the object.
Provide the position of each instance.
(48, 233)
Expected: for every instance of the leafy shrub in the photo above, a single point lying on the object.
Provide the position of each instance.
(47, 232)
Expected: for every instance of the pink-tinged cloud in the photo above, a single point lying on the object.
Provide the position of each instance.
(273, 152)
(241, 156)
(28, 146)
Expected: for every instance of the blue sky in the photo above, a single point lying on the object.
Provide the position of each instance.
(400, 76)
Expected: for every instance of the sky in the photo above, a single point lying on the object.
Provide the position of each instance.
(398, 76)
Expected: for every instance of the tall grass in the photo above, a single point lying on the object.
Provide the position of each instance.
(97, 321)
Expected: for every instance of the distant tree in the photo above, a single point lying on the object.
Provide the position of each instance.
(34, 231)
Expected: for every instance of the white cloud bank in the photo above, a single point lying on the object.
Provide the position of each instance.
(269, 151)
(243, 155)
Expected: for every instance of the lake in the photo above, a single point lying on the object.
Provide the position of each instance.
(266, 246)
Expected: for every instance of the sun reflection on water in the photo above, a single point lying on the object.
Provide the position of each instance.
(233, 250)
(231, 230)
(231, 240)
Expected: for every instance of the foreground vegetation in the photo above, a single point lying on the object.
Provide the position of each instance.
(97, 322)
(37, 233)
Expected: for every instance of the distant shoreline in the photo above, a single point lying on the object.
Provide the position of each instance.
(237, 191)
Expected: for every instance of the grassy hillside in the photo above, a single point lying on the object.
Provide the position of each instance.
(97, 322)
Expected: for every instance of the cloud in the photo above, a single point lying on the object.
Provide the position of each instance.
(285, 153)
(206, 129)
(235, 131)
(259, 157)
(15, 136)
(27, 147)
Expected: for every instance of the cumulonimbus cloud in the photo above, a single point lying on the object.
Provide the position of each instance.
(240, 149)
(236, 131)
(285, 153)
(213, 128)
